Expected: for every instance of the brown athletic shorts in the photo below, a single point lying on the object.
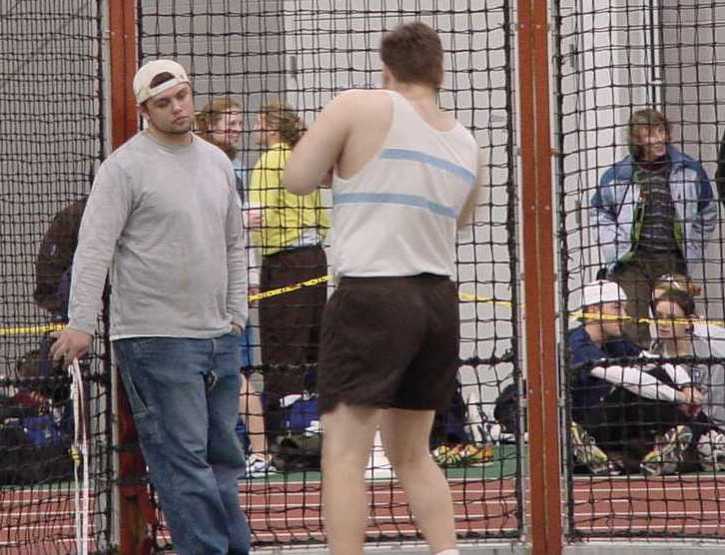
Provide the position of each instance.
(390, 342)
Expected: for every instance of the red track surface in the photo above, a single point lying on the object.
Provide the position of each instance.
(39, 522)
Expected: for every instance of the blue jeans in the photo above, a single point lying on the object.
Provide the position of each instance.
(184, 396)
(246, 340)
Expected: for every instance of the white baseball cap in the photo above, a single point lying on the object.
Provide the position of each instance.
(142, 81)
(602, 291)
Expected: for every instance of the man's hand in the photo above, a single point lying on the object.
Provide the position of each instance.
(255, 218)
(69, 344)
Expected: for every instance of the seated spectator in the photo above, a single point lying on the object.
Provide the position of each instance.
(36, 425)
(639, 410)
(55, 260)
(675, 332)
(43, 396)
(654, 211)
(53, 268)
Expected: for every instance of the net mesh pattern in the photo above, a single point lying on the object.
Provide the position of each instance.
(51, 140)
(302, 53)
(638, 128)
(611, 60)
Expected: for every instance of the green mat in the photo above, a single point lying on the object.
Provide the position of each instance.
(501, 466)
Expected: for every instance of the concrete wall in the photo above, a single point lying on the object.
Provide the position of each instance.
(694, 100)
(618, 57)
(307, 51)
(332, 46)
(51, 132)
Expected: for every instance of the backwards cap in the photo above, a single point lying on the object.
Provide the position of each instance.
(142, 81)
(602, 291)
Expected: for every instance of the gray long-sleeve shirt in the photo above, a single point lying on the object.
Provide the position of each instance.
(167, 221)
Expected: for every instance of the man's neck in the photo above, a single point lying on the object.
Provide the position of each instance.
(418, 94)
(230, 151)
(270, 139)
(594, 330)
(655, 164)
(170, 139)
(677, 348)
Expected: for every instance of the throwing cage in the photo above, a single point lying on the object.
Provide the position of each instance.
(547, 88)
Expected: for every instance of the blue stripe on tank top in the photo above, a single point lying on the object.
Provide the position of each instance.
(440, 163)
(394, 198)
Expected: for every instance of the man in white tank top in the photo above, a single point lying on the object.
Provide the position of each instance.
(404, 177)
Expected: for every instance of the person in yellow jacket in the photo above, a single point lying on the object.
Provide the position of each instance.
(289, 231)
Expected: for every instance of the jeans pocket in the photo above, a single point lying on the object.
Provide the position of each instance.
(146, 423)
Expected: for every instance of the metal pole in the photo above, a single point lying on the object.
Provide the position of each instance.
(134, 506)
(539, 277)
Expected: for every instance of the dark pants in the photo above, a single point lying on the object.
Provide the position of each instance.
(289, 325)
(628, 424)
(390, 342)
(637, 277)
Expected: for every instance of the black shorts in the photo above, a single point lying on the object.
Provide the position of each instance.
(390, 342)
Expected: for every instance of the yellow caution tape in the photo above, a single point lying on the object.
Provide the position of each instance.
(289, 288)
(31, 330)
(464, 297)
(661, 321)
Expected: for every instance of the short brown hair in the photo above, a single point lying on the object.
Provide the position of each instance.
(679, 282)
(207, 118)
(645, 119)
(160, 78)
(281, 118)
(677, 288)
(680, 298)
(414, 54)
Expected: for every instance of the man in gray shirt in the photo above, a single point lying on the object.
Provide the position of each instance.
(164, 216)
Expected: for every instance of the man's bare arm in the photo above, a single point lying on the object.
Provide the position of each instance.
(466, 216)
(320, 147)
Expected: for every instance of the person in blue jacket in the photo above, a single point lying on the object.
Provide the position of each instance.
(653, 213)
(720, 172)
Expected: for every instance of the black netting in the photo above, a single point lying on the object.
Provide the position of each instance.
(612, 61)
(638, 129)
(51, 139)
(302, 53)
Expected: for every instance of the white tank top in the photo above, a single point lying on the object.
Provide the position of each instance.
(397, 216)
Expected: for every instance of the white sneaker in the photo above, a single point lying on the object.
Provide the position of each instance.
(257, 466)
(711, 448)
(668, 453)
(586, 452)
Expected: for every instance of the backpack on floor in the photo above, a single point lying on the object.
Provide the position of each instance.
(449, 426)
(297, 452)
(34, 450)
(300, 445)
